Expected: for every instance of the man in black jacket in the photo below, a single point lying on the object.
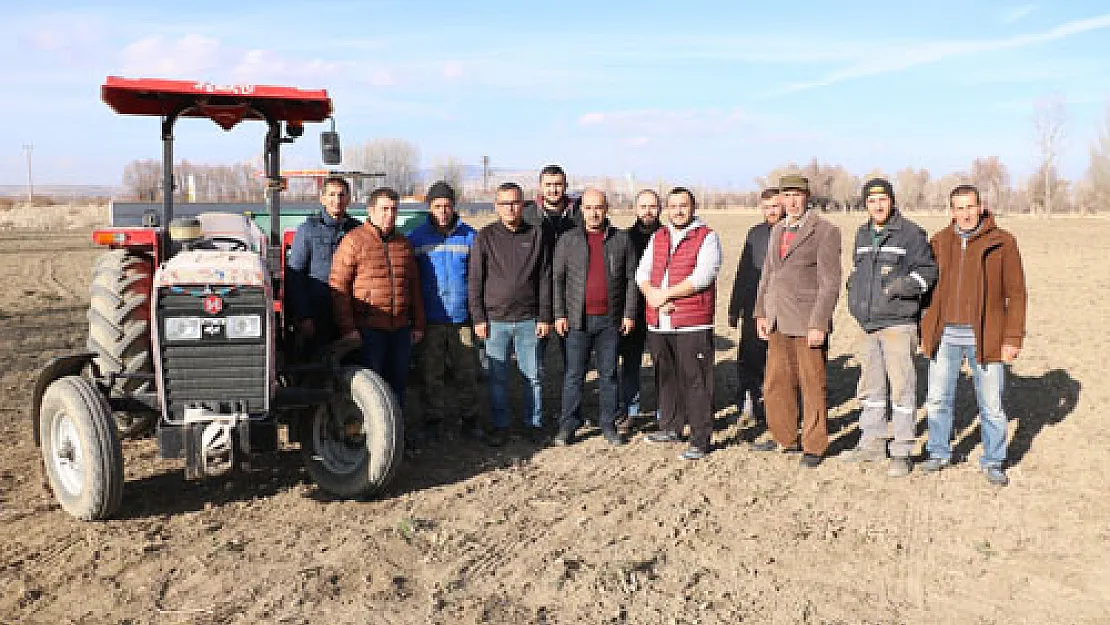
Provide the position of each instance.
(892, 269)
(595, 302)
(647, 206)
(510, 304)
(751, 359)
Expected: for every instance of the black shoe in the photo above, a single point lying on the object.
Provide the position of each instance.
(613, 437)
(662, 436)
(564, 438)
(496, 438)
(793, 449)
(810, 461)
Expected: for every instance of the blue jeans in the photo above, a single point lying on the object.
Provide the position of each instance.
(519, 336)
(388, 353)
(632, 358)
(602, 336)
(944, 370)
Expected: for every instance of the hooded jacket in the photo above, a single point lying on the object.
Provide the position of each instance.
(989, 273)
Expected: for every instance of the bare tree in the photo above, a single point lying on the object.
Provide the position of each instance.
(1096, 182)
(1047, 191)
(398, 159)
(143, 179)
(449, 169)
(910, 187)
(1048, 126)
(990, 176)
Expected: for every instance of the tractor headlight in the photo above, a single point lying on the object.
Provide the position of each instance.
(244, 326)
(182, 328)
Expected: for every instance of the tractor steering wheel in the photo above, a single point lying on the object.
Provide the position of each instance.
(236, 245)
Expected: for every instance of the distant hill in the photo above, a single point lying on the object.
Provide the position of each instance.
(62, 190)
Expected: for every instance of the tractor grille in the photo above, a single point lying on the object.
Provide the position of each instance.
(215, 372)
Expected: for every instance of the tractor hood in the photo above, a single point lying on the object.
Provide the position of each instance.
(212, 267)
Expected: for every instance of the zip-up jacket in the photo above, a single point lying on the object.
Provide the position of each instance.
(891, 273)
(309, 264)
(988, 275)
(375, 283)
(444, 264)
(553, 226)
(510, 275)
(750, 267)
(571, 265)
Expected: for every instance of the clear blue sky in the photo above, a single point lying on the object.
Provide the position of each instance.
(695, 92)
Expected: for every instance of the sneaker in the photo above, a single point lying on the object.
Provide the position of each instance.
(932, 465)
(692, 453)
(662, 436)
(900, 466)
(810, 461)
(767, 445)
(996, 476)
(563, 438)
(613, 437)
(864, 453)
(496, 438)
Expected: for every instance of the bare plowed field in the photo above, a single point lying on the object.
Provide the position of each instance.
(589, 533)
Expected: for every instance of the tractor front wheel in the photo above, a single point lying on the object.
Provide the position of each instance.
(352, 445)
(80, 449)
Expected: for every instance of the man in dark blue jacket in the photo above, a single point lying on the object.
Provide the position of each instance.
(307, 295)
(442, 247)
(892, 269)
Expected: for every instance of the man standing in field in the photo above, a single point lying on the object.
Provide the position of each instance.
(678, 277)
(647, 208)
(892, 270)
(977, 313)
(442, 247)
(793, 309)
(510, 303)
(751, 359)
(596, 300)
(308, 298)
(375, 289)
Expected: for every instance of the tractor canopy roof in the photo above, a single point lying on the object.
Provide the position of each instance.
(226, 105)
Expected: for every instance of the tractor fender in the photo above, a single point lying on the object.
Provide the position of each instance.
(59, 367)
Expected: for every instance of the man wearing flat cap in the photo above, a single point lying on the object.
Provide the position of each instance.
(793, 308)
(442, 249)
(892, 270)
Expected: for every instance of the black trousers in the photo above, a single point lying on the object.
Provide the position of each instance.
(751, 362)
(684, 382)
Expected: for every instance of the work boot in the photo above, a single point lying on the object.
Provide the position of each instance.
(900, 466)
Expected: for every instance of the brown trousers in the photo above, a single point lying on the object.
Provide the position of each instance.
(794, 365)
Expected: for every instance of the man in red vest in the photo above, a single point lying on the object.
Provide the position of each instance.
(678, 277)
(793, 312)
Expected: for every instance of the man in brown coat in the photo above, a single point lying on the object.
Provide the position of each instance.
(977, 312)
(375, 289)
(793, 309)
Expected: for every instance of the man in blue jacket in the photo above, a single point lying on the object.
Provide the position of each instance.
(307, 296)
(892, 269)
(442, 247)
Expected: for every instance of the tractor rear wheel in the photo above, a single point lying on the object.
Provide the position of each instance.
(80, 448)
(352, 445)
(119, 327)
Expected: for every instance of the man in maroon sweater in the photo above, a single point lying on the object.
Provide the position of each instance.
(595, 303)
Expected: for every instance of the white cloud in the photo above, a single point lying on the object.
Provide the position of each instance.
(190, 57)
(453, 70)
(1014, 14)
(891, 59)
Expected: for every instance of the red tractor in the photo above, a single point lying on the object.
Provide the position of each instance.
(186, 332)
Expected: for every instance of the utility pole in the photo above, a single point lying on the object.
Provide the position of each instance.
(485, 174)
(27, 149)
